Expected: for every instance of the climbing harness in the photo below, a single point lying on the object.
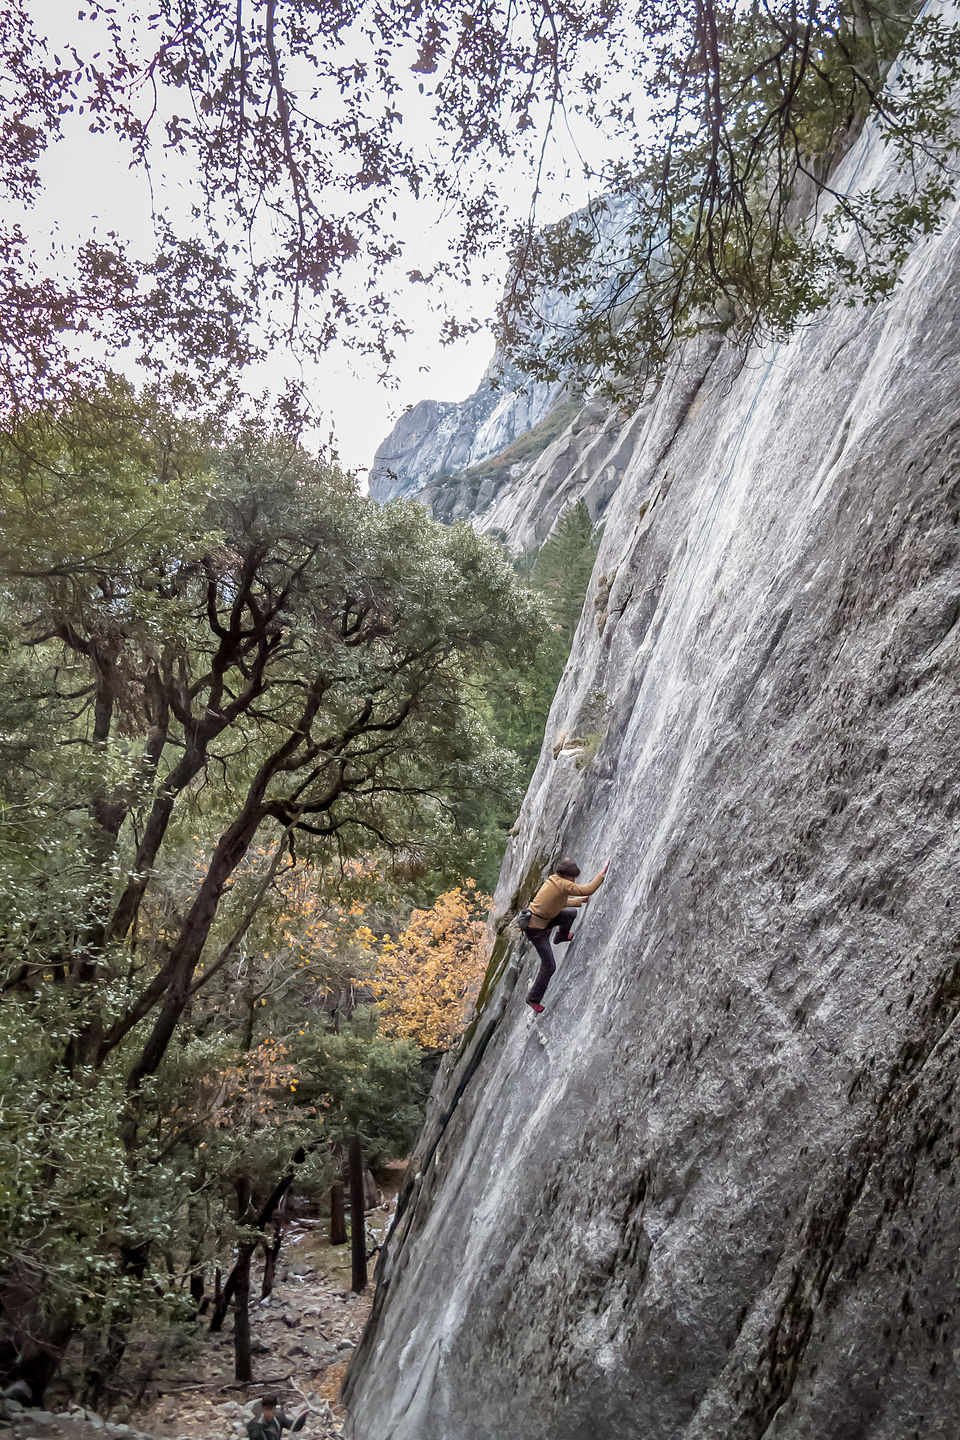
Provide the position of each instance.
(525, 916)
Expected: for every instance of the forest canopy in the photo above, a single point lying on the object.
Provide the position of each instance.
(238, 703)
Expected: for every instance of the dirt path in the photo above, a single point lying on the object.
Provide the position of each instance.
(302, 1340)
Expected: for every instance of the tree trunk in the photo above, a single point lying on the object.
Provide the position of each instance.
(358, 1233)
(271, 1256)
(371, 1190)
(243, 1370)
(266, 1215)
(338, 1216)
(195, 1226)
(108, 1359)
(35, 1360)
(249, 1020)
(221, 1303)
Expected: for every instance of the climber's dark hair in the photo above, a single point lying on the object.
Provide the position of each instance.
(569, 869)
(269, 1402)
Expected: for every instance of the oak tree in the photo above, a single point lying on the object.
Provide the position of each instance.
(218, 636)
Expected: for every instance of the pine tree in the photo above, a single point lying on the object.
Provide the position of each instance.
(564, 565)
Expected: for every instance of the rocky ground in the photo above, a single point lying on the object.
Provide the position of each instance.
(302, 1339)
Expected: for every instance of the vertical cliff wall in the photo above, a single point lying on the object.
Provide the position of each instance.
(713, 1191)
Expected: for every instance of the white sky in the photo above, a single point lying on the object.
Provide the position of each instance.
(91, 189)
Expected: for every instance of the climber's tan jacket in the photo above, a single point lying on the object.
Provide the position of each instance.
(556, 893)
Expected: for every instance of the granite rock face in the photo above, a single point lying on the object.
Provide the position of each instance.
(442, 438)
(713, 1193)
(572, 451)
(521, 503)
(446, 453)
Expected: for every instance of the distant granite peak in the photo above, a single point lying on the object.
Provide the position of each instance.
(437, 438)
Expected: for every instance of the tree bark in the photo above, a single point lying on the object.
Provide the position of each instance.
(195, 1227)
(274, 1200)
(243, 1370)
(271, 1256)
(358, 1234)
(175, 977)
(38, 1360)
(241, 1287)
(135, 1258)
(338, 1217)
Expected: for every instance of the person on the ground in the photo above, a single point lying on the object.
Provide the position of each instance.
(272, 1422)
(555, 905)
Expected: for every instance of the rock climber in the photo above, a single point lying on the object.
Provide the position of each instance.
(555, 904)
(272, 1422)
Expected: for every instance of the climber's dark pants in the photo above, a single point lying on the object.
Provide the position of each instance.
(540, 940)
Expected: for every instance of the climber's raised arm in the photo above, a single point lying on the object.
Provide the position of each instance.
(594, 885)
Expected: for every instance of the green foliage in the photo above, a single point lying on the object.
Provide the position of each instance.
(369, 1086)
(226, 677)
(70, 1211)
(564, 565)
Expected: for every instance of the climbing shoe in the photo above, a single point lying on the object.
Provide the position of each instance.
(537, 1009)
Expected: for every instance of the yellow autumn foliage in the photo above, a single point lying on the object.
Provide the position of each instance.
(426, 980)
